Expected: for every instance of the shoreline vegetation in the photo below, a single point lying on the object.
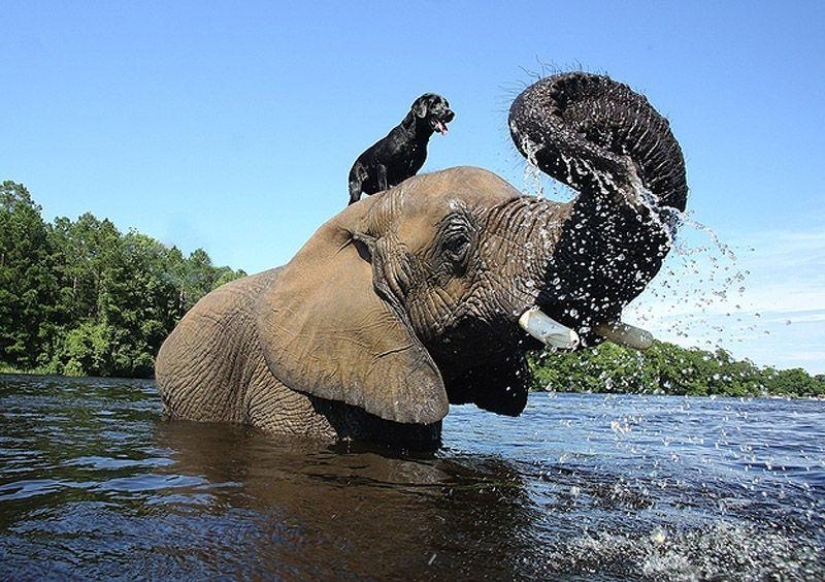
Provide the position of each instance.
(666, 368)
(80, 298)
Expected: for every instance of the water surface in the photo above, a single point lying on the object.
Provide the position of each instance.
(93, 484)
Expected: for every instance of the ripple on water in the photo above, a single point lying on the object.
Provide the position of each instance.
(581, 487)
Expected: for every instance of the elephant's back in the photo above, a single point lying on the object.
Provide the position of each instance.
(200, 366)
(235, 297)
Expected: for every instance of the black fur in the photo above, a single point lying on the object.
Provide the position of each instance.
(402, 152)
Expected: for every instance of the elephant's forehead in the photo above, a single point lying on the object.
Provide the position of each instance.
(441, 192)
(427, 199)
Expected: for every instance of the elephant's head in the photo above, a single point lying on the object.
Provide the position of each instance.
(411, 299)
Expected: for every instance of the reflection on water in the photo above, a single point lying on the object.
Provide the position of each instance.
(94, 485)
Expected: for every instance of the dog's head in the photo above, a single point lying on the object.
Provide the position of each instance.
(435, 110)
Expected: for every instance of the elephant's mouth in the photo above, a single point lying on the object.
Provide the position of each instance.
(556, 335)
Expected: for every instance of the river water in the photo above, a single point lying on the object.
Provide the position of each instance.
(95, 485)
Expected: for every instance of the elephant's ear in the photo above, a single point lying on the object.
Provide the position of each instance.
(326, 332)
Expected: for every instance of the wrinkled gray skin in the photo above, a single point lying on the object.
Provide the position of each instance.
(607, 142)
(408, 301)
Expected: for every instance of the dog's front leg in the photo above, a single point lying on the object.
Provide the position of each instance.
(354, 190)
(357, 175)
(381, 169)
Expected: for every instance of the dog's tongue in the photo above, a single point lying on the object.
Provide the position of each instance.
(441, 127)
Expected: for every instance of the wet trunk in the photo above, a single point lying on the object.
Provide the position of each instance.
(598, 136)
(604, 258)
(607, 142)
(582, 261)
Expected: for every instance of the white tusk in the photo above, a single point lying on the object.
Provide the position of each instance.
(625, 335)
(549, 332)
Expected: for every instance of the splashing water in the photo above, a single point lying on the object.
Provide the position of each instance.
(697, 297)
(534, 178)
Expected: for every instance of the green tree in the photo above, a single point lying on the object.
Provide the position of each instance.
(143, 303)
(27, 280)
(795, 381)
(198, 277)
(83, 298)
(669, 369)
(88, 249)
(85, 350)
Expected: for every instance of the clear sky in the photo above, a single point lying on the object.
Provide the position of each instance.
(232, 126)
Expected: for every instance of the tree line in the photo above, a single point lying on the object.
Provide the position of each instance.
(666, 368)
(81, 298)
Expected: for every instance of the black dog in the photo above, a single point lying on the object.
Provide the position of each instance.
(402, 152)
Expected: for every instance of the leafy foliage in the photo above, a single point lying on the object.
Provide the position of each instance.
(81, 298)
(27, 280)
(669, 369)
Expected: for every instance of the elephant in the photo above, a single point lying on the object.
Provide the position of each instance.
(432, 293)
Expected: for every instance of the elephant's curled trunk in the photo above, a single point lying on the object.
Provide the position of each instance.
(606, 141)
(597, 135)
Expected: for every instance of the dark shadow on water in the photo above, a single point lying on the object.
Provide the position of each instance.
(352, 510)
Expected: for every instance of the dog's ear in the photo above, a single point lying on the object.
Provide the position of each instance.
(420, 105)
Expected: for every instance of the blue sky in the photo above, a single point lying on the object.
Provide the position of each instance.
(232, 126)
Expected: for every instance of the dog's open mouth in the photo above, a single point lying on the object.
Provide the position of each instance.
(439, 118)
(439, 126)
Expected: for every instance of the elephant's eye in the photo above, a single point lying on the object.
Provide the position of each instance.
(456, 233)
(456, 246)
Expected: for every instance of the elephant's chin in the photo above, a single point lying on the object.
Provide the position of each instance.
(555, 335)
